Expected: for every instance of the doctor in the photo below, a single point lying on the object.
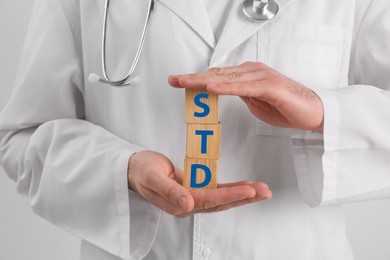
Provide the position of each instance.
(104, 163)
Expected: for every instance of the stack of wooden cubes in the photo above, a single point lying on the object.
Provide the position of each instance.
(203, 140)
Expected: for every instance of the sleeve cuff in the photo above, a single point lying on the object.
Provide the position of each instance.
(138, 218)
(311, 161)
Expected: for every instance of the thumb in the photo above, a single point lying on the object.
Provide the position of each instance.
(171, 191)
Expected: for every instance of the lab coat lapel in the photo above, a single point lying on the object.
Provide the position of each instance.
(194, 13)
(238, 28)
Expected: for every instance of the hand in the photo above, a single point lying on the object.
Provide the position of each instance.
(269, 95)
(154, 177)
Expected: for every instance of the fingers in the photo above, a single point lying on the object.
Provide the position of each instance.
(249, 66)
(179, 175)
(245, 72)
(173, 80)
(207, 199)
(222, 185)
(243, 89)
(262, 193)
(162, 203)
(169, 190)
(227, 196)
(202, 81)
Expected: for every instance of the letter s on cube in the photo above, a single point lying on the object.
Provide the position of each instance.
(201, 107)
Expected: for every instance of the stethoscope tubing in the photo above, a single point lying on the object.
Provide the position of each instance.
(124, 81)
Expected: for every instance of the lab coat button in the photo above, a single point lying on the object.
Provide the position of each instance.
(206, 252)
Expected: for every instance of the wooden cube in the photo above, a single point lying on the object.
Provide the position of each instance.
(204, 141)
(200, 174)
(201, 107)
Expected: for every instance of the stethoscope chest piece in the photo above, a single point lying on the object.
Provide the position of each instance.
(258, 10)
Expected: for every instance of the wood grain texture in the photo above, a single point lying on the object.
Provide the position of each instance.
(194, 141)
(200, 174)
(191, 107)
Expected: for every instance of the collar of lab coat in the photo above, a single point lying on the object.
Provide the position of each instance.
(238, 28)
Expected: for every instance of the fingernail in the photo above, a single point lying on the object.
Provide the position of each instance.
(183, 203)
(253, 194)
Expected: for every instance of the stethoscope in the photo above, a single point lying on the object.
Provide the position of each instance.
(255, 10)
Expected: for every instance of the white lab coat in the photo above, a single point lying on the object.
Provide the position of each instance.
(66, 142)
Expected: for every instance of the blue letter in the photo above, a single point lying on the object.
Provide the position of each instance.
(204, 134)
(207, 179)
(198, 102)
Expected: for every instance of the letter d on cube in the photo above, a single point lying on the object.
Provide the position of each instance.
(200, 173)
(194, 179)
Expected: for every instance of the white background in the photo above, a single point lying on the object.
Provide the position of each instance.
(25, 236)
